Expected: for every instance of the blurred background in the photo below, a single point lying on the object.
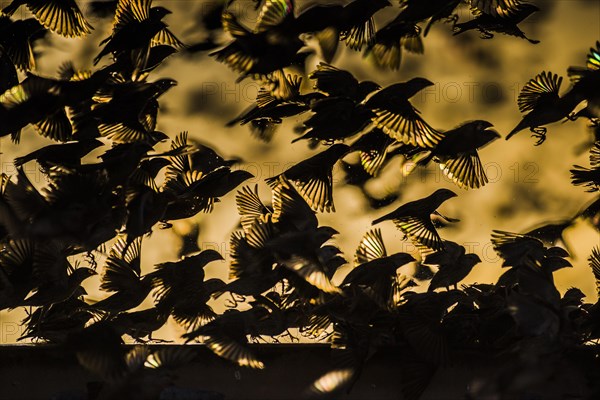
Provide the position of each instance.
(474, 79)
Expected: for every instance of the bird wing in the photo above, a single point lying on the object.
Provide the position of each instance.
(289, 207)
(233, 351)
(371, 247)
(311, 272)
(594, 261)
(122, 270)
(250, 207)
(63, 17)
(500, 8)
(465, 170)
(359, 35)
(273, 13)
(403, 123)
(166, 37)
(421, 232)
(595, 155)
(542, 88)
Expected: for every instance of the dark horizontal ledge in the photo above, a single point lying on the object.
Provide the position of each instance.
(49, 372)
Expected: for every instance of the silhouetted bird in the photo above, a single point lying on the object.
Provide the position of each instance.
(135, 28)
(457, 153)
(390, 41)
(375, 271)
(123, 276)
(414, 220)
(227, 335)
(181, 288)
(585, 81)
(141, 324)
(313, 178)
(35, 102)
(61, 16)
(17, 39)
(127, 111)
(273, 104)
(552, 233)
(540, 98)
(525, 250)
(272, 45)
(66, 155)
(588, 177)
(496, 21)
(396, 116)
(453, 263)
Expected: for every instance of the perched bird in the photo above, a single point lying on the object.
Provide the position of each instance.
(141, 324)
(61, 16)
(498, 20)
(457, 153)
(540, 99)
(453, 263)
(414, 220)
(313, 178)
(398, 118)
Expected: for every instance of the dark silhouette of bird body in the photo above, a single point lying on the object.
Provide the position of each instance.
(457, 153)
(454, 265)
(313, 177)
(540, 97)
(414, 219)
(396, 116)
(61, 16)
(505, 23)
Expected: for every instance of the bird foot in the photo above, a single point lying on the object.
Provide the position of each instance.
(485, 34)
(540, 134)
(572, 117)
(452, 19)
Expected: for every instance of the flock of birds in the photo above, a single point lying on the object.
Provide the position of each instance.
(283, 262)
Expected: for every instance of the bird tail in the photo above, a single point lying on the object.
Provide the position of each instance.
(581, 176)
(11, 8)
(522, 125)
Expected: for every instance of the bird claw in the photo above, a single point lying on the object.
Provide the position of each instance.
(453, 19)
(485, 34)
(540, 134)
(572, 117)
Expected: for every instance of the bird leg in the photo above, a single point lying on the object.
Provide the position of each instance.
(447, 219)
(539, 132)
(572, 116)
(91, 259)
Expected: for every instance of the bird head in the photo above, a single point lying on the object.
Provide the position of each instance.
(472, 259)
(415, 85)
(81, 274)
(162, 85)
(367, 87)
(442, 195)
(485, 135)
(324, 233)
(158, 13)
(400, 259)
